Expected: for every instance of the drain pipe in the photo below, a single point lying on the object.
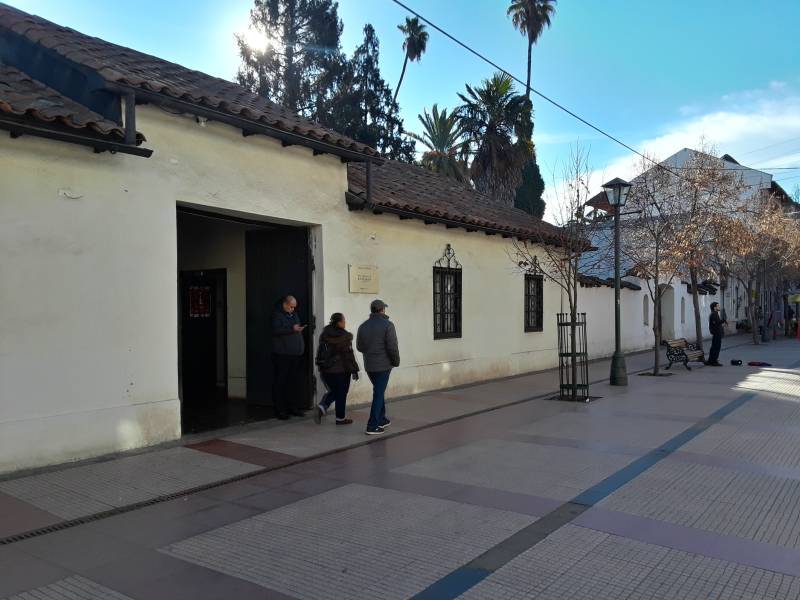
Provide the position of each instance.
(130, 118)
(369, 182)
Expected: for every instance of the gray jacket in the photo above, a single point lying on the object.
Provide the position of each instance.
(284, 339)
(377, 341)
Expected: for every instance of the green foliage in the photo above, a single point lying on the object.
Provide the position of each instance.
(444, 139)
(304, 46)
(414, 45)
(529, 193)
(497, 124)
(304, 70)
(531, 17)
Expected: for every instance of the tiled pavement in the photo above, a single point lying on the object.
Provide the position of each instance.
(36, 501)
(717, 515)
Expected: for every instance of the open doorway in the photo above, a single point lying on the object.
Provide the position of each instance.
(231, 274)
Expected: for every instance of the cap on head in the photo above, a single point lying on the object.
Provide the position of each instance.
(377, 306)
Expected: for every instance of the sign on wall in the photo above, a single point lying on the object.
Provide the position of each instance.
(363, 279)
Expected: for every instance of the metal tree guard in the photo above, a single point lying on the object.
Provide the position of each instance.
(580, 376)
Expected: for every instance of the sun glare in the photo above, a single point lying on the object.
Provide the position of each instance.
(256, 40)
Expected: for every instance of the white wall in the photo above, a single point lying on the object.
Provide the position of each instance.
(87, 288)
(89, 327)
(88, 331)
(213, 167)
(637, 335)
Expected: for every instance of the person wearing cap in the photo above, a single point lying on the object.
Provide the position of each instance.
(377, 341)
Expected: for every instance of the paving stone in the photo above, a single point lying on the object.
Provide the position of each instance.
(71, 588)
(98, 487)
(355, 538)
(575, 562)
(548, 471)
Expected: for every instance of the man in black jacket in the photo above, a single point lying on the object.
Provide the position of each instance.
(717, 330)
(377, 341)
(288, 347)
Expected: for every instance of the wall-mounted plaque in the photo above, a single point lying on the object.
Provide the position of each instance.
(363, 279)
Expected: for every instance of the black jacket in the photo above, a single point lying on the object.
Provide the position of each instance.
(335, 351)
(284, 339)
(715, 324)
(377, 341)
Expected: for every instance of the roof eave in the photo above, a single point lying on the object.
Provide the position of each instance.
(19, 127)
(246, 125)
(357, 202)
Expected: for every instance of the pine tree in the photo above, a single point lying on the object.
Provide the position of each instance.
(294, 69)
(304, 70)
(362, 107)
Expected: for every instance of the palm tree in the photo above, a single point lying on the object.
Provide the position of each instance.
(414, 45)
(497, 124)
(531, 17)
(444, 138)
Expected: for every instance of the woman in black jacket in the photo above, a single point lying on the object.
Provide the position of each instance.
(337, 365)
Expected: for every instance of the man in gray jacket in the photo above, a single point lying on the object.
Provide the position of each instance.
(377, 341)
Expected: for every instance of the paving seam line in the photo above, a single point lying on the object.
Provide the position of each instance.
(466, 577)
(68, 524)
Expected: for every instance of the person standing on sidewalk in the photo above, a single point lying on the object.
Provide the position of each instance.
(337, 365)
(717, 330)
(377, 341)
(288, 347)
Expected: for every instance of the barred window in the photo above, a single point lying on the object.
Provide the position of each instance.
(447, 296)
(534, 301)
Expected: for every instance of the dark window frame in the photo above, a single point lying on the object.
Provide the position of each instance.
(536, 312)
(440, 312)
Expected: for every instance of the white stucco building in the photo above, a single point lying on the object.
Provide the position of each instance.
(150, 218)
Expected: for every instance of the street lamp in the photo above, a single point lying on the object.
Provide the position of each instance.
(617, 193)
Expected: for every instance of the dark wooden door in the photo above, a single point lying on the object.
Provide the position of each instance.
(203, 357)
(278, 263)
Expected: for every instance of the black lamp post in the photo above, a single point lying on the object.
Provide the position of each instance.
(617, 194)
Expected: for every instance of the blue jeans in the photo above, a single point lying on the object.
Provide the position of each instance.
(338, 385)
(377, 414)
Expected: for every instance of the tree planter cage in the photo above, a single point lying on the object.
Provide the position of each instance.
(573, 378)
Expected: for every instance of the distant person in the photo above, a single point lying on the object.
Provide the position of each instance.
(337, 365)
(716, 327)
(377, 341)
(288, 347)
(775, 321)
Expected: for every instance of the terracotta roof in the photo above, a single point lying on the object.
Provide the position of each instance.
(592, 281)
(600, 201)
(420, 193)
(29, 99)
(123, 66)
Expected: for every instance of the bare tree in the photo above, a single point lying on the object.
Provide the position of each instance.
(761, 241)
(559, 260)
(656, 242)
(704, 188)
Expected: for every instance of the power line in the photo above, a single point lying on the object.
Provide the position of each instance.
(560, 106)
(518, 80)
(770, 146)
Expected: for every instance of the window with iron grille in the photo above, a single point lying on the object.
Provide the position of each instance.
(447, 296)
(534, 302)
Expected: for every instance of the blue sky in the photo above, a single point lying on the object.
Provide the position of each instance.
(656, 74)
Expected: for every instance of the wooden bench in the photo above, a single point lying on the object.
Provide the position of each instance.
(681, 351)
